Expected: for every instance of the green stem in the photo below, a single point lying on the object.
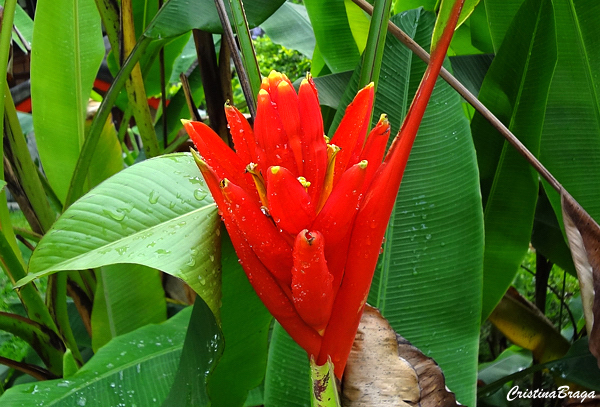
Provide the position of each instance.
(57, 304)
(373, 55)
(246, 46)
(44, 341)
(324, 392)
(5, 38)
(25, 168)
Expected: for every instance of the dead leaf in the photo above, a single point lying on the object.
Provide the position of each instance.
(384, 369)
(583, 234)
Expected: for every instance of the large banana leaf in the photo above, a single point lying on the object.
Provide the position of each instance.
(516, 90)
(290, 27)
(500, 14)
(64, 63)
(137, 368)
(428, 282)
(571, 136)
(157, 213)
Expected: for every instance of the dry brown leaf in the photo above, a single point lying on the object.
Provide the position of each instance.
(583, 234)
(384, 369)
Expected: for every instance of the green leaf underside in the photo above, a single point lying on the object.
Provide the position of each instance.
(124, 290)
(138, 368)
(61, 82)
(290, 26)
(509, 185)
(157, 213)
(245, 324)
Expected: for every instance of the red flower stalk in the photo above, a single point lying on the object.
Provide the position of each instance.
(307, 215)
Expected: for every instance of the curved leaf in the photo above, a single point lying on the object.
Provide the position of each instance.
(138, 368)
(500, 14)
(64, 63)
(202, 348)
(508, 184)
(157, 213)
(290, 26)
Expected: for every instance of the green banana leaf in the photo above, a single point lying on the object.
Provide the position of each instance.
(138, 368)
(64, 63)
(515, 89)
(571, 136)
(157, 213)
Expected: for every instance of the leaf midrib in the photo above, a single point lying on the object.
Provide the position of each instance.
(64, 265)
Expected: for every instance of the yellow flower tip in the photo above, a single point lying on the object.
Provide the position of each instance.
(363, 164)
(332, 148)
(283, 85)
(370, 85)
(263, 93)
(275, 169)
(274, 75)
(185, 121)
(251, 168)
(327, 139)
(383, 118)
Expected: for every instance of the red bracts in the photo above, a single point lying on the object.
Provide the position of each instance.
(290, 200)
(307, 215)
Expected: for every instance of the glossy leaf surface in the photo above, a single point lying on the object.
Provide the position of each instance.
(157, 213)
(138, 367)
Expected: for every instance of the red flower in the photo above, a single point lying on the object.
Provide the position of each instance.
(307, 216)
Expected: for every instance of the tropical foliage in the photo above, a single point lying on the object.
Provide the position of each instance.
(118, 214)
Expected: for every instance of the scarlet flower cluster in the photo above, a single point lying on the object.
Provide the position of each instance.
(306, 215)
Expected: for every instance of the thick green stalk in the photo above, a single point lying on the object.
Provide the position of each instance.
(324, 391)
(373, 54)
(5, 37)
(25, 168)
(57, 304)
(247, 48)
